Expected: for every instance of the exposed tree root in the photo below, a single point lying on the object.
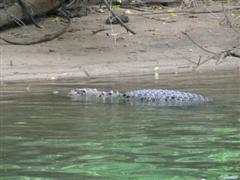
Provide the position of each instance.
(47, 37)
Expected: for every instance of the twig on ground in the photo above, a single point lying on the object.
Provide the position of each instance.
(100, 30)
(193, 62)
(199, 60)
(194, 42)
(120, 21)
(216, 56)
(226, 17)
(219, 57)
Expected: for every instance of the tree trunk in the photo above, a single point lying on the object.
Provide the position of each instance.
(38, 7)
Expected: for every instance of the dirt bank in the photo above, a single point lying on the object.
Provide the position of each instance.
(158, 46)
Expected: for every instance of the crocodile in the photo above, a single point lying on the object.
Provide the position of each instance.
(160, 97)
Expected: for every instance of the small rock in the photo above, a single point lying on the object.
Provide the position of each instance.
(51, 50)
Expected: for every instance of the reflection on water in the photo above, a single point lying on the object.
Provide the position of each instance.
(50, 137)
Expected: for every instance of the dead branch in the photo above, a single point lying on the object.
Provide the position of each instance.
(100, 30)
(216, 56)
(194, 42)
(120, 21)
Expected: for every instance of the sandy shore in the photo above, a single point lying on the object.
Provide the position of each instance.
(159, 45)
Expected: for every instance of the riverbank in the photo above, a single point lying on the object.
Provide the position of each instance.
(159, 46)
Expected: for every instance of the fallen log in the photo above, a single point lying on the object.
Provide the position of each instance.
(38, 7)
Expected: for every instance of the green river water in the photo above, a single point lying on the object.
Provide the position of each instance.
(43, 136)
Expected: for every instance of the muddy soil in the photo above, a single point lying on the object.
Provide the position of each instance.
(159, 46)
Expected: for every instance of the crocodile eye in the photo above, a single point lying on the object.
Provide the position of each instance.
(125, 95)
(83, 91)
(173, 97)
